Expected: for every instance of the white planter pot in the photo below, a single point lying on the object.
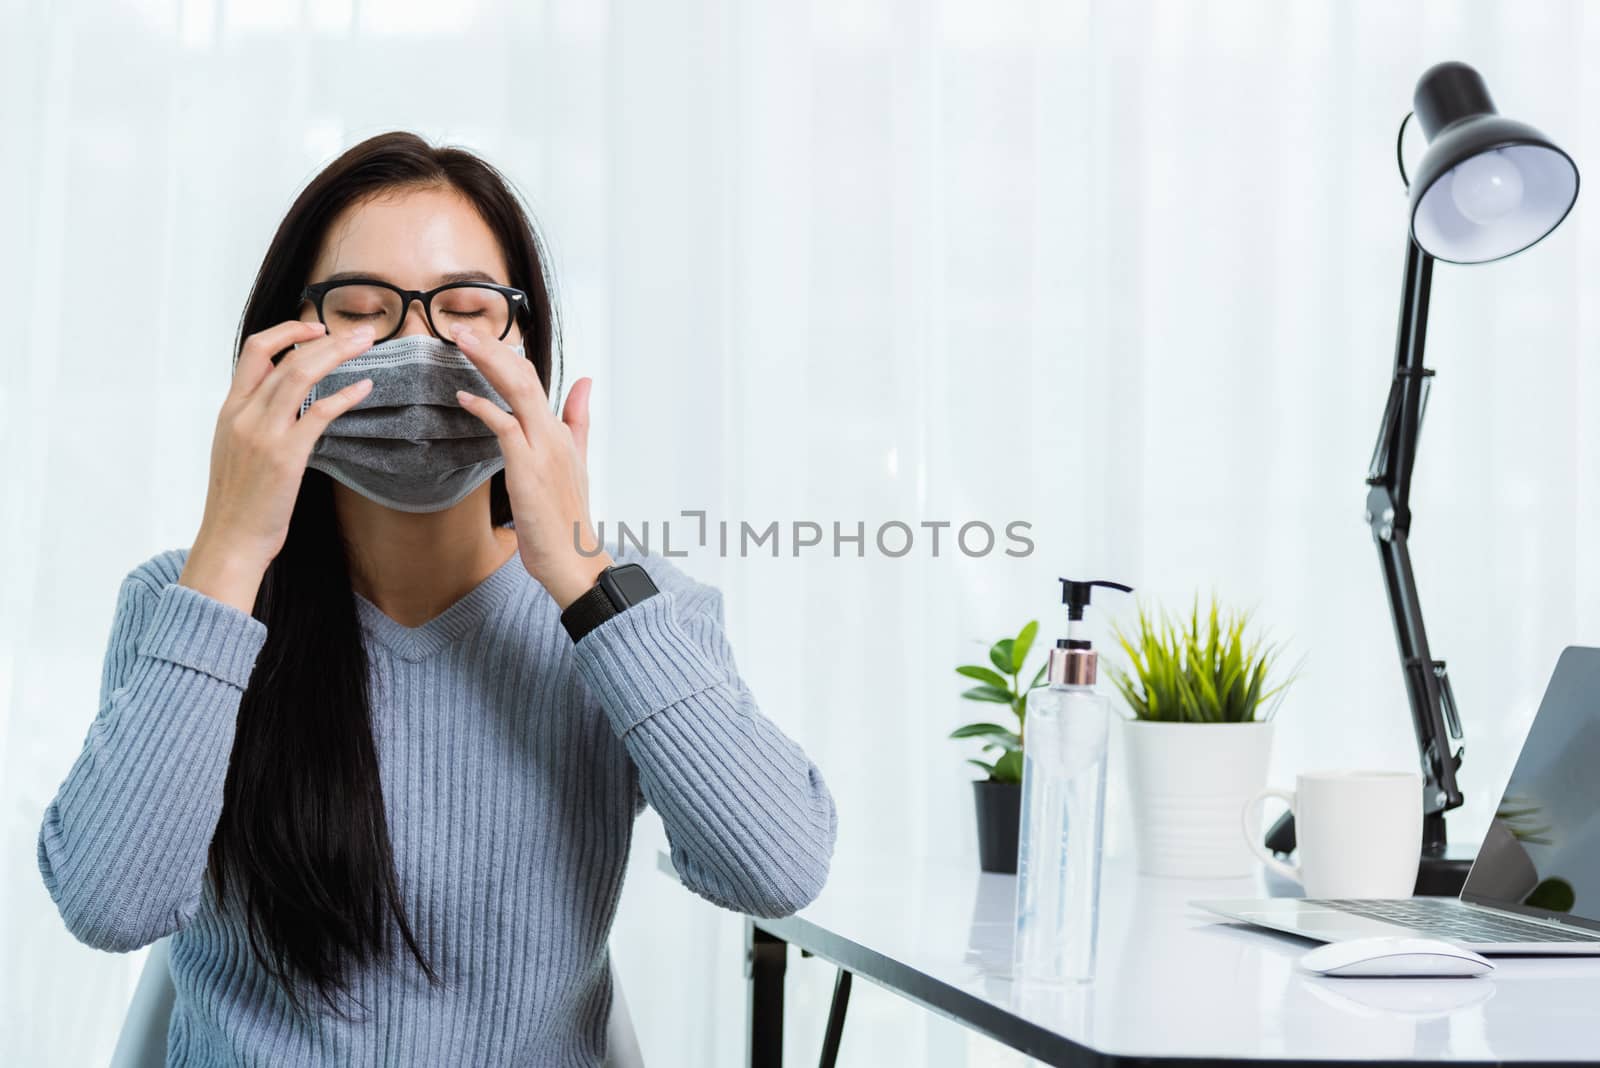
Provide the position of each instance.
(1189, 782)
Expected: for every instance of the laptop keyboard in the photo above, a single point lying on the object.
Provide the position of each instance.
(1458, 924)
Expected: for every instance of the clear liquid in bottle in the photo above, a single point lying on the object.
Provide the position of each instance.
(1066, 732)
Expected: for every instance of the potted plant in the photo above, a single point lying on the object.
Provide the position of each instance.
(1202, 699)
(998, 798)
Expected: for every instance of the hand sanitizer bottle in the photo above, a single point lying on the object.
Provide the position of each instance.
(1065, 733)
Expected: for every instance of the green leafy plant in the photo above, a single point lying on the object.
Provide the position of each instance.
(1001, 685)
(1554, 894)
(1203, 673)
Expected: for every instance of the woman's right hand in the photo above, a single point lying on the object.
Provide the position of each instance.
(259, 454)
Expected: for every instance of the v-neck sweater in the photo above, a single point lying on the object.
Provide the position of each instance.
(514, 763)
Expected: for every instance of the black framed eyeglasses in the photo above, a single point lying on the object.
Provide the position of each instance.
(350, 303)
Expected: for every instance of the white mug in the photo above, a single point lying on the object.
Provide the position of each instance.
(1357, 833)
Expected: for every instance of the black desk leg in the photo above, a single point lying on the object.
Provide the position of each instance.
(765, 957)
(830, 1039)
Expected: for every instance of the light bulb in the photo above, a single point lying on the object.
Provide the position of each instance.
(1486, 187)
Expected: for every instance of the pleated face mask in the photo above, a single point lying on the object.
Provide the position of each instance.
(408, 444)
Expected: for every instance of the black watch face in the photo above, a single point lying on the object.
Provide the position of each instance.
(629, 584)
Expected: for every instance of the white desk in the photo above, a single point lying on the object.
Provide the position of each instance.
(1175, 986)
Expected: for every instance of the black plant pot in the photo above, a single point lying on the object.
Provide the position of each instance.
(999, 807)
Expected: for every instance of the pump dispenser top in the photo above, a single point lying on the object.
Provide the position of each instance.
(1073, 661)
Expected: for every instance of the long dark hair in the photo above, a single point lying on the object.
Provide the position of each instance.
(303, 837)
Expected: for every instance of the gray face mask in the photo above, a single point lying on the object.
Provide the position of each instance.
(408, 444)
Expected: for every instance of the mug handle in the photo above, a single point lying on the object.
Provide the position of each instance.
(1250, 820)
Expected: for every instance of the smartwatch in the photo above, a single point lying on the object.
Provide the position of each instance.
(619, 586)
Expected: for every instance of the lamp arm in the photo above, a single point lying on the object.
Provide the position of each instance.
(1433, 711)
(1428, 691)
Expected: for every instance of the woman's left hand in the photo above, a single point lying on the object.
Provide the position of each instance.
(547, 472)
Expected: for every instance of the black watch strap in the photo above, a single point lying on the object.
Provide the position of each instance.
(619, 587)
(587, 612)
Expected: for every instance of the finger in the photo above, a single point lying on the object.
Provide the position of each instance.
(505, 426)
(255, 355)
(291, 380)
(512, 376)
(325, 410)
(576, 415)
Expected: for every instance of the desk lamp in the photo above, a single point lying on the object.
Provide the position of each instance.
(1488, 187)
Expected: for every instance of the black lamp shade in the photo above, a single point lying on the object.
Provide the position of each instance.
(1488, 186)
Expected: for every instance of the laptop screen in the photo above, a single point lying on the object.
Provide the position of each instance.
(1541, 855)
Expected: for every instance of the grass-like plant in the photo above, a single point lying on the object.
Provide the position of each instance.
(1522, 818)
(1207, 672)
(1001, 685)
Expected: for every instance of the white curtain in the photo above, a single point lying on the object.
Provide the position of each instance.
(1125, 271)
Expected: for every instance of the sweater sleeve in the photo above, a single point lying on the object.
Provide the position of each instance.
(751, 823)
(124, 843)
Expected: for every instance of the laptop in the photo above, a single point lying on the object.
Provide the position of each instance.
(1534, 886)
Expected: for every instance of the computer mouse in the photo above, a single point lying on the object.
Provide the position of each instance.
(1371, 957)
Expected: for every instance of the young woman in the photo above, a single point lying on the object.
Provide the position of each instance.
(372, 749)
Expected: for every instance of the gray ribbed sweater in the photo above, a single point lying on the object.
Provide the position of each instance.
(514, 764)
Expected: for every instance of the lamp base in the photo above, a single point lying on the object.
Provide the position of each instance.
(1443, 873)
